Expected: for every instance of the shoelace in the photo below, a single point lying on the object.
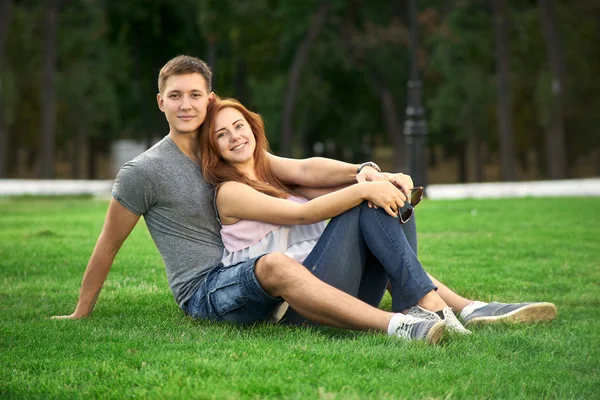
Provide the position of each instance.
(405, 329)
(452, 321)
(423, 314)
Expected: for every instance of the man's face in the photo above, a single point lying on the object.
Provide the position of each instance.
(184, 101)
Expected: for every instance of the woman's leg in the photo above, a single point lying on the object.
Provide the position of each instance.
(342, 259)
(374, 281)
(386, 240)
(410, 232)
(450, 297)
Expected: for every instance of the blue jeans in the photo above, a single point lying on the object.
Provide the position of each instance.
(232, 294)
(363, 248)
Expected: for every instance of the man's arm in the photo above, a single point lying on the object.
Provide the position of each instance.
(118, 225)
(318, 172)
(313, 172)
(312, 193)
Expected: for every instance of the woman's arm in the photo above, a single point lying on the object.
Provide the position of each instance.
(237, 201)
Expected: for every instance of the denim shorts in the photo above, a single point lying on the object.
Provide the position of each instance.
(232, 293)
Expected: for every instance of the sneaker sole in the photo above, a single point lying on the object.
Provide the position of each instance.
(436, 332)
(531, 313)
(279, 312)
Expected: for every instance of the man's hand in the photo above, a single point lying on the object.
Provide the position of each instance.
(383, 194)
(369, 174)
(75, 315)
(401, 181)
(118, 224)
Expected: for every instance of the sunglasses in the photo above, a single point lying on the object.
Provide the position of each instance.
(416, 195)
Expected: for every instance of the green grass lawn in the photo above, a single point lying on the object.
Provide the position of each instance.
(138, 343)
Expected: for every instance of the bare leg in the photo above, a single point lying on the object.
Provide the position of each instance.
(451, 298)
(280, 276)
(432, 302)
(445, 294)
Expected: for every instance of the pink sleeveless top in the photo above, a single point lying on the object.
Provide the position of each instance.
(247, 239)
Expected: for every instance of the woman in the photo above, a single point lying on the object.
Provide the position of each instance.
(259, 214)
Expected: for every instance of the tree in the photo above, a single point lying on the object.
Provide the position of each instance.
(300, 58)
(507, 157)
(49, 90)
(461, 71)
(5, 14)
(556, 159)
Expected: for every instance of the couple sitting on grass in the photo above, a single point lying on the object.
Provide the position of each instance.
(256, 248)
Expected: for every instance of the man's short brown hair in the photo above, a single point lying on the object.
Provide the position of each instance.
(181, 65)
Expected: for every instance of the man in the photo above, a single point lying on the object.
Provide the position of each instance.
(166, 186)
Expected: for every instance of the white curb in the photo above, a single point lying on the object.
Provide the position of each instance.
(20, 187)
(558, 188)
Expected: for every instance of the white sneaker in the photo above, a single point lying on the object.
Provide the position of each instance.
(450, 319)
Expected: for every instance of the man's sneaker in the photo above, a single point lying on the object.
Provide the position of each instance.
(420, 329)
(511, 312)
(278, 312)
(453, 324)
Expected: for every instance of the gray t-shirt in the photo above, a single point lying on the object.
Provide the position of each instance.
(168, 189)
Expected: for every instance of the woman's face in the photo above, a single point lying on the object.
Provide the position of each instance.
(235, 140)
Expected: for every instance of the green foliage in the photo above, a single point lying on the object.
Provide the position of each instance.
(110, 52)
(463, 72)
(138, 344)
(22, 69)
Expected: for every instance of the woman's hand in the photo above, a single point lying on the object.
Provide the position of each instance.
(383, 194)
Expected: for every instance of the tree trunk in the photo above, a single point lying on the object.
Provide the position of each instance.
(211, 54)
(5, 16)
(241, 79)
(507, 152)
(92, 158)
(78, 147)
(300, 58)
(477, 158)
(393, 127)
(463, 170)
(48, 93)
(556, 154)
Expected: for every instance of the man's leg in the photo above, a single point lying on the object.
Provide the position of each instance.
(314, 299)
(280, 276)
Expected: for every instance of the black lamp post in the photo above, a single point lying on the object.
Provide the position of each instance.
(415, 127)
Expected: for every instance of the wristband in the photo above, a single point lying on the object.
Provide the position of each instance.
(367, 164)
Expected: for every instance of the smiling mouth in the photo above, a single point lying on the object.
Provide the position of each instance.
(239, 147)
(186, 117)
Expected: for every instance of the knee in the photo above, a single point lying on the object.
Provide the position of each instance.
(274, 269)
(367, 212)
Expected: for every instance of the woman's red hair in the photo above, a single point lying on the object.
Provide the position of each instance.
(217, 171)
